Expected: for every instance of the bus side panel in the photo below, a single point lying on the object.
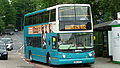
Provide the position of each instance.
(37, 54)
(25, 44)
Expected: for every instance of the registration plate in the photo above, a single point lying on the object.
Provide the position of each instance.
(77, 61)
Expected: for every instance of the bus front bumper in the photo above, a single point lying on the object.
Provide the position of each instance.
(75, 61)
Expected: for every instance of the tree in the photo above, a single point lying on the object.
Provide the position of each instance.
(2, 24)
(104, 10)
(22, 7)
(42, 4)
(2, 13)
(10, 16)
(7, 13)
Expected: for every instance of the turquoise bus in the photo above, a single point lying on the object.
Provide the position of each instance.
(58, 35)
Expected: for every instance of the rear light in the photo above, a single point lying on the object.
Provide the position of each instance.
(94, 56)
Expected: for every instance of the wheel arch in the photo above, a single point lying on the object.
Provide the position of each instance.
(29, 54)
(48, 54)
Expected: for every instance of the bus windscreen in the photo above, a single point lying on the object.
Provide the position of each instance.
(74, 18)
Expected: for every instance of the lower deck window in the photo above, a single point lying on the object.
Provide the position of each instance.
(33, 41)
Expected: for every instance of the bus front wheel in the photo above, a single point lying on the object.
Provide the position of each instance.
(49, 60)
(87, 65)
(30, 56)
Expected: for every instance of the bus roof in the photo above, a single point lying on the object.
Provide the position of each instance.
(39, 11)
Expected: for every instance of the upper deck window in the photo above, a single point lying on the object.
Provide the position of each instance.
(73, 13)
(74, 18)
(42, 17)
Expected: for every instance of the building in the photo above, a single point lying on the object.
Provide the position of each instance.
(107, 39)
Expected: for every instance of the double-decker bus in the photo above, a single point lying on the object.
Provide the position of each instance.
(62, 34)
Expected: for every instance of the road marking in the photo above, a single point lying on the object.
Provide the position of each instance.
(20, 48)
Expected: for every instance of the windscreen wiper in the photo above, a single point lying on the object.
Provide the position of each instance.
(70, 46)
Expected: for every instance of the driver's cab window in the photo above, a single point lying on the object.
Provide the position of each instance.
(60, 42)
(54, 42)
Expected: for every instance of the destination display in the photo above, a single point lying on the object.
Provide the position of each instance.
(82, 27)
(75, 26)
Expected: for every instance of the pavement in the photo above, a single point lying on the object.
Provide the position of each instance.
(104, 63)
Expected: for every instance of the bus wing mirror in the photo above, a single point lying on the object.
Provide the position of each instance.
(54, 39)
(94, 38)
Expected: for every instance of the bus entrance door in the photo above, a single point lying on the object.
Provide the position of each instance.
(53, 47)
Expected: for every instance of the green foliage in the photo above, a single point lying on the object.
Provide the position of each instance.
(2, 25)
(7, 13)
(10, 26)
(104, 10)
(10, 17)
(24, 6)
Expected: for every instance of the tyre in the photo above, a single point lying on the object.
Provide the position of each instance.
(49, 61)
(30, 57)
(8, 49)
(11, 33)
(6, 57)
(87, 65)
(11, 49)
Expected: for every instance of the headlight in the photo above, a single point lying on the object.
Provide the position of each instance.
(5, 53)
(90, 54)
(64, 56)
